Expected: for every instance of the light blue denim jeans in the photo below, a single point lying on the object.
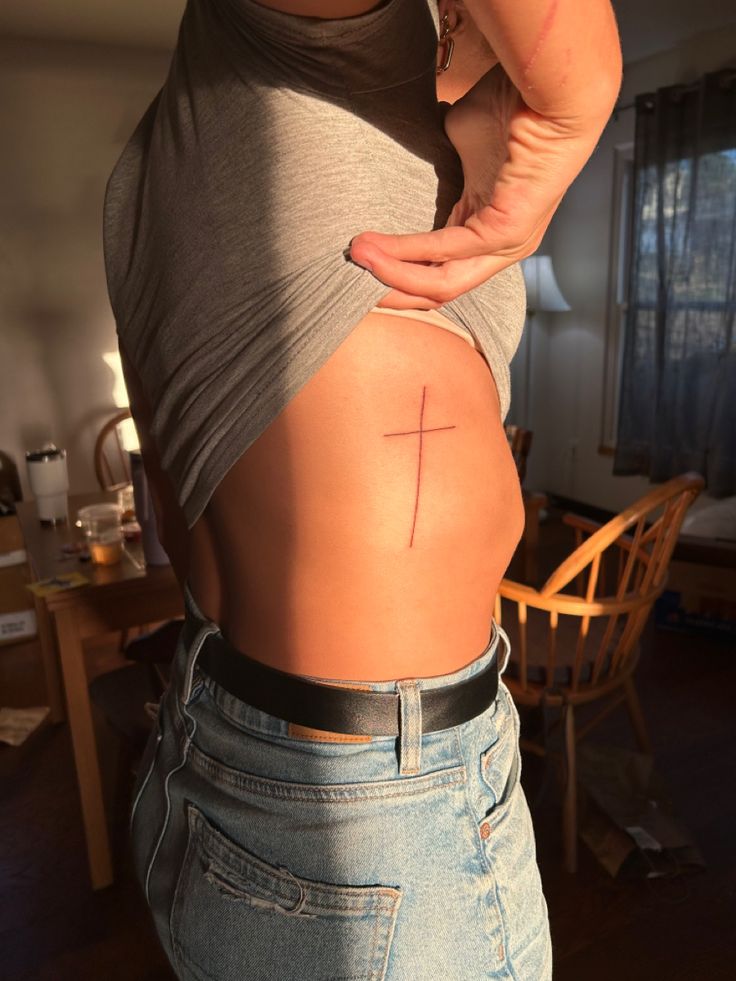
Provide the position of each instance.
(270, 855)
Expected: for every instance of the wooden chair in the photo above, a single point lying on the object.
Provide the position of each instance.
(112, 465)
(520, 443)
(575, 640)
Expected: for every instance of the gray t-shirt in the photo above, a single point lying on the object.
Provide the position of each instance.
(274, 140)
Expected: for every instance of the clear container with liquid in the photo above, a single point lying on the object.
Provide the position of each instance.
(103, 531)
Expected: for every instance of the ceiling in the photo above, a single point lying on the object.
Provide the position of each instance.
(139, 23)
(646, 26)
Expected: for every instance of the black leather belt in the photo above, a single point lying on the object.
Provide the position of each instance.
(322, 706)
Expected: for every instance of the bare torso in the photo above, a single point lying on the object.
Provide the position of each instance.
(344, 543)
(363, 535)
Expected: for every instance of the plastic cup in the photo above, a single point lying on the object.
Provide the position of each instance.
(104, 532)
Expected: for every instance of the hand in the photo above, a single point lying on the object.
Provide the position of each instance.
(517, 165)
(478, 127)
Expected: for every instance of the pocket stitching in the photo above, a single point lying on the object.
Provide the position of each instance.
(328, 793)
(266, 875)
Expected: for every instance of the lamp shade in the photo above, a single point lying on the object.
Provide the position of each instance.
(542, 291)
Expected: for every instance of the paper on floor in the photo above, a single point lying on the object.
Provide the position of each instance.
(16, 724)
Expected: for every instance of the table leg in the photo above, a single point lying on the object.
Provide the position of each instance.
(85, 748)
(50, 658)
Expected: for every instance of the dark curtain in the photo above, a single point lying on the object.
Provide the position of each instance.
(677, 408)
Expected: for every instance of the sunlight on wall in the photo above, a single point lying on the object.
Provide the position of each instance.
(120, 398)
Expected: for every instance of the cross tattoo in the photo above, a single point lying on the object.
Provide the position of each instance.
(419, 432)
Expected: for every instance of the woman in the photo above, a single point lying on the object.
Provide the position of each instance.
(332, 790)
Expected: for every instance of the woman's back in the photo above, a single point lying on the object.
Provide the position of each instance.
(345, 475)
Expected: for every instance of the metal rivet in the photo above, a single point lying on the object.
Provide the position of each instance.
(485, 830)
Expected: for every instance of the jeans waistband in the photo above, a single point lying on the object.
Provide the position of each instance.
(187, 681)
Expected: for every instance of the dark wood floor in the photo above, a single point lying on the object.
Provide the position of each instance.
(53, 928)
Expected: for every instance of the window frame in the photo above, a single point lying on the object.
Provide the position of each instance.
(619, 264)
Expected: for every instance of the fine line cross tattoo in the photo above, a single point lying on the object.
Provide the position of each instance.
(420, 432)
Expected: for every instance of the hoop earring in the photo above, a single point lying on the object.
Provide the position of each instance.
(447, 43)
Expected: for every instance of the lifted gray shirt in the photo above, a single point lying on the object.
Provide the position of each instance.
(274, 140)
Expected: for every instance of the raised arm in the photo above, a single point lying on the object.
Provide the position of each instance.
(563, 56)
(562, 60)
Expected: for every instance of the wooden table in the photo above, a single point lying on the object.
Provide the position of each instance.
(124, 595)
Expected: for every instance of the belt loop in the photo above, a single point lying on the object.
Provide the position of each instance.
(502, 635)
(410, 726)
(187, 683)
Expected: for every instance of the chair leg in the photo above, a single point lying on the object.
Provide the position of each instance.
(569, 816)
(637, 717)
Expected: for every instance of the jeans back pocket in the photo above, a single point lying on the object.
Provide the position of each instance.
(235, 915)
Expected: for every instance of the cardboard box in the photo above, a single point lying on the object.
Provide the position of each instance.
(12, 546)
(698, 597)
(17, 608)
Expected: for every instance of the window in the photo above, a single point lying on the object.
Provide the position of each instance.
(677, 409)
(695, 289)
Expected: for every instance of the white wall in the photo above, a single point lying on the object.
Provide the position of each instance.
(66, 111)
(568, 348)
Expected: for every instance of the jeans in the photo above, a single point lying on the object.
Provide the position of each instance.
(268, 852)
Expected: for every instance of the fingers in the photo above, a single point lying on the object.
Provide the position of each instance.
(436, 246)
(419, 284)
(433, 285)
(487, 232)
